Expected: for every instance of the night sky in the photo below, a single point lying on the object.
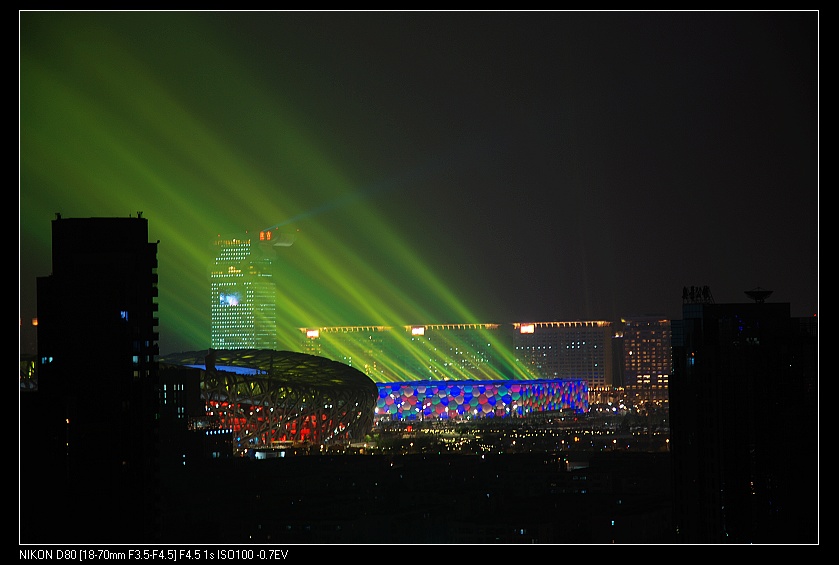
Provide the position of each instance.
(435, 167)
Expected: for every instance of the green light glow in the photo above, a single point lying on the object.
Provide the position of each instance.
(163, 113)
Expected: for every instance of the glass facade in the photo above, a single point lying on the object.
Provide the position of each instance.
(463, 400)
(567, 350)
(243, 306)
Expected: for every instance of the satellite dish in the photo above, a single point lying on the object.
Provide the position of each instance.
(759, 295)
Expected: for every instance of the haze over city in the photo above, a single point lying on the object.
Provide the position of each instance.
(434, 167)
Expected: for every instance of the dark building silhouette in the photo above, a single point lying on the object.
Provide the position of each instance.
(89, 435)
(744, 423)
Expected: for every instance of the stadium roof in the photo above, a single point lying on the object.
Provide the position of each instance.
(291, 367)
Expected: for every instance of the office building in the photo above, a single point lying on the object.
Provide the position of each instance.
(568, 350)
(90, 454)
(243, 301)
(744, 423)
(647, 358)
(420, 352)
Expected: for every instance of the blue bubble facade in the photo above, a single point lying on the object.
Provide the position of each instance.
(460, 400)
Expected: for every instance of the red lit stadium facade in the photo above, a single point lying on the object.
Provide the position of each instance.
(268, 398)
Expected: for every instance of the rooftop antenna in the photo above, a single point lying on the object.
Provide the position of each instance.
(759, 295)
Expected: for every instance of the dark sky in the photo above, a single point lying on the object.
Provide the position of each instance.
(437, 167)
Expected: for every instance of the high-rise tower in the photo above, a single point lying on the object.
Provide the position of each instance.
(744, 421)
(243, 294)
(91, 455)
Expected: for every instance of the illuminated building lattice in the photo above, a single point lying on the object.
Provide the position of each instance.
(266, 397)
(478, 399)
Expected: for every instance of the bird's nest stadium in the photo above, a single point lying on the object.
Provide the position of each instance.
(269, 397)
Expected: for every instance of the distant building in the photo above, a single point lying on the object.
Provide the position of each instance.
(420, 352)
(575, 350)
(568, 350)
(89, 437)
(647, 358)
(244, 315)
(243, 303)
(188, 434)
(744, 423)
(370, 349)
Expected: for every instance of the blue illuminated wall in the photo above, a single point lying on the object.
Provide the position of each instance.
(478, 399)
